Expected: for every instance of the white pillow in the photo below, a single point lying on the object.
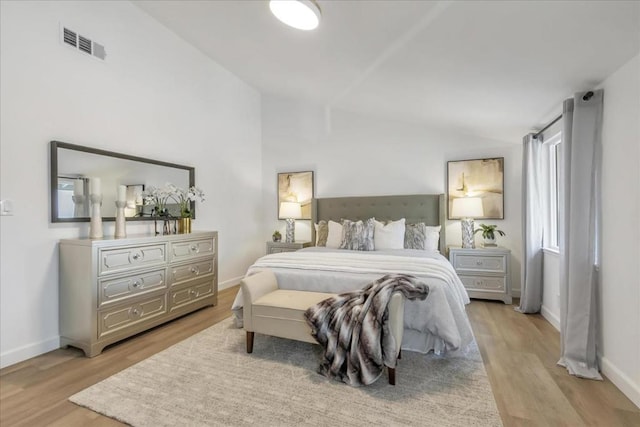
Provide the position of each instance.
(335, 235)
(432, 237)
(390, 236)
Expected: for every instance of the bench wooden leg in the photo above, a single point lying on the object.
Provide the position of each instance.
(392, 375)
(249, 342)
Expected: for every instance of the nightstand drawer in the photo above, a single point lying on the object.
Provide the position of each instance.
(278, 247)
(480, 283)
(493, 263)
(278, 250)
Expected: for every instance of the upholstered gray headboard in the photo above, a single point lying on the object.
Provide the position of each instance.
(427, 208)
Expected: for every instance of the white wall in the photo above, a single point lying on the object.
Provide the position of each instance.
(154, 96)
(355, 155)
(620, 287)
(551, 288)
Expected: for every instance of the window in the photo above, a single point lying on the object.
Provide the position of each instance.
(552, 157)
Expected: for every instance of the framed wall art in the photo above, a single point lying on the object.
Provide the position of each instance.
(296, 187)
(482, 178)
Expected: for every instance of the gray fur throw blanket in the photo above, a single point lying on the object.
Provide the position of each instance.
(353, 328)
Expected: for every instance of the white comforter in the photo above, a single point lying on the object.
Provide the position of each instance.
(438, 323)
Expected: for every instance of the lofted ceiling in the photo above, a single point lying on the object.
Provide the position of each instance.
(493, 69)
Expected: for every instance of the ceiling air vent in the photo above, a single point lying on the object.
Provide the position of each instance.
(69, 37)
(82, 43)
(85, 44)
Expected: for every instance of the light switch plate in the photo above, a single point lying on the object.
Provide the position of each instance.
(6, 207)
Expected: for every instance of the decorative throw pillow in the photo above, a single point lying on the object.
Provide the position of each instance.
(357, 235)
(322, 232)
(421, 236)
(415, 236)
(389, 236)
(334, 235)
(432, 240)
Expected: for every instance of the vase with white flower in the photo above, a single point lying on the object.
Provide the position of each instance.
(185, 199)
(159, 198)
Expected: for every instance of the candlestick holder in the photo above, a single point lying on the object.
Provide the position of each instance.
(95, 228)
(121, 229)
(78, 208)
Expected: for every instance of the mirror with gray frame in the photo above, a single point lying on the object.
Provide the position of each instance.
(72, 166)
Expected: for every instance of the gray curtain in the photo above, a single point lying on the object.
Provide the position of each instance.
(532, 226)
(580, 232)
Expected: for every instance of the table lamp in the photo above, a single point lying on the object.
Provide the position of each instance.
(467, 208)
(291, 211)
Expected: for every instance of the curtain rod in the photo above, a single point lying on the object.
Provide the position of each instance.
(587, 96)
(554, 121)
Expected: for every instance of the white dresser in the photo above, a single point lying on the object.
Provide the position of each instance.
(111, 289)
(484, 272)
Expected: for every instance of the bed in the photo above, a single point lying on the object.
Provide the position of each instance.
(437, 324)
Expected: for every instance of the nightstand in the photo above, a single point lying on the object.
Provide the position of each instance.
(275, 247)
(484, 272)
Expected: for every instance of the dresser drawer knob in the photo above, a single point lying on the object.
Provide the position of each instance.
(193, 247)
(194, 270)
(135, 312)
(136, 256)
(193, 292)
(136, 284)
(478, 262)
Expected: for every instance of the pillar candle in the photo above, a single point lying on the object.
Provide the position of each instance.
(78, 187)
(122, 193)
(95, 186)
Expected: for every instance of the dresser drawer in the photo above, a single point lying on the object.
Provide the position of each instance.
(179, 274)
(123, 259)
(180, 298)
(121, 288)
(493, 263)
(484, 283)
(117, 319)
(191, 249)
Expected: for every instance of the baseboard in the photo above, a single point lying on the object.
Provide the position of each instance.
(621, 380)
(515, 293)
(551, 318)
(28, 351)
(229, 283)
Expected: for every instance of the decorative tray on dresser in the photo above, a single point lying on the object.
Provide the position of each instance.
(484, 272)
(111, 289)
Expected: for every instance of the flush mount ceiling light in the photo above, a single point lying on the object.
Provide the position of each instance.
(300, 14)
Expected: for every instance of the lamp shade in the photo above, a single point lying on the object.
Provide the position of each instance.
(467, 207)
(290, 210)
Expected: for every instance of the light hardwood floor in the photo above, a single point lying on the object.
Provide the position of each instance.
(519, 351)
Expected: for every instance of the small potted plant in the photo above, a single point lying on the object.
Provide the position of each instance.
(488, 233)
(276, 236)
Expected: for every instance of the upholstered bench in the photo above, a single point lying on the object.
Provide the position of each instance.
(280, 312)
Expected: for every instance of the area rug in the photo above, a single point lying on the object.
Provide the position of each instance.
(210, 380)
